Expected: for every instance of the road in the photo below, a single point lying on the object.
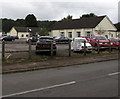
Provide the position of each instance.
(87, 80)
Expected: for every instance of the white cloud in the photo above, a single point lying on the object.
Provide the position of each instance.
(57, 9)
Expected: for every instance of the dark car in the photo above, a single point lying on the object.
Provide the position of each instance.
(44, 44)
(15, 37)
(61, 39)
(115, 42)
(8, 38)
(33, 39)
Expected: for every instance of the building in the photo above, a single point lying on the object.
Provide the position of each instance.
(117, 25)
(97, 25)
(24, 32)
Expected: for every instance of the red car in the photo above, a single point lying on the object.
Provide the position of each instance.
(103, 41)
(44, 45)
(115, 42)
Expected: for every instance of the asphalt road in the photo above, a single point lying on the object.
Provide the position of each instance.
(88, 80)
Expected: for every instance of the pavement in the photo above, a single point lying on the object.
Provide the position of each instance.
(56, 62)
(87, 80)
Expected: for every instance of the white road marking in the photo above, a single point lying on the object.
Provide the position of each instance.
(8, 56)
(116, 73)
(40, 89)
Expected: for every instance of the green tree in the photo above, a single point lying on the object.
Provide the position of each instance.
(20, 23)
(69, 17)
(31, 21)
(89, 15)
(7, 24)
(43, 32)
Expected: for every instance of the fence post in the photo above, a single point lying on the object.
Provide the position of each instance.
(69, 47)
(84, 48)
(110, 49)
(51, 48)
(3, 50)
(119, 46)
(98, 47)
(29, 49)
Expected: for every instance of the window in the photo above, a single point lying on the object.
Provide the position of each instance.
(111, 35)
(106, 36)
(62, 34)
(26, 35)
(88, 34)
(22, 35)
(70, 34)
(78, 34)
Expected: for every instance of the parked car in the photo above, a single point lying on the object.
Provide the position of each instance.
(15, 37)
(44, 44)
(61, 39)
(115, 42)
(78, 45)
(33, 39)
(103, 41)
(7, 38)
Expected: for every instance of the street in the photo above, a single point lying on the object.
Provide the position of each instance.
(87, 80)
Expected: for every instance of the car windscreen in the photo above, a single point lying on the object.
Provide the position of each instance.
(101, 38)
(114, 40)
(45, 39)
(81, 40)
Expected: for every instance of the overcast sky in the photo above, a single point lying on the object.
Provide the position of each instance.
(57, 9)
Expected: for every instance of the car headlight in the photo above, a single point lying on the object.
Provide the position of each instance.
(111, 43)
(100, 43)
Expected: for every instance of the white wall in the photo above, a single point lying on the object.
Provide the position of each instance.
(105, 25)
(57, 33)
(24, 34)
(13, 32)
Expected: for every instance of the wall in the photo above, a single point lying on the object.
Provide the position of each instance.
(57, 33)
(107, 27)
(23, 33)
(13, 32)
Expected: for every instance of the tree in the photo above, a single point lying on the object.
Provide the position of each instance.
(7, 24)
(31, 21)
(43, 32)
(20, 22)
(88, 15)
(69, 17)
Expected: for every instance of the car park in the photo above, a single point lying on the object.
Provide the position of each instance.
(44, 44)
(77, 45)
(101, 39)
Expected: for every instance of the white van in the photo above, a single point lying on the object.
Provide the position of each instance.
(78, 45)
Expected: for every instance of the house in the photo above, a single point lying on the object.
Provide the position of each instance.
(117, 25)
(24, 32)
(97, 25)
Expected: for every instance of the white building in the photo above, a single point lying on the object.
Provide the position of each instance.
(100, 25)
(23, 32)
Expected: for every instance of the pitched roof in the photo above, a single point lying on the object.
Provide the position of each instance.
(117, 25)
(27, 29)
(90, 22)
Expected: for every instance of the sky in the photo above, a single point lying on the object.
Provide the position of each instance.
(58, 9)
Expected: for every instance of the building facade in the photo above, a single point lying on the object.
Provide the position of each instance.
(23, 32)
(84, 27)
